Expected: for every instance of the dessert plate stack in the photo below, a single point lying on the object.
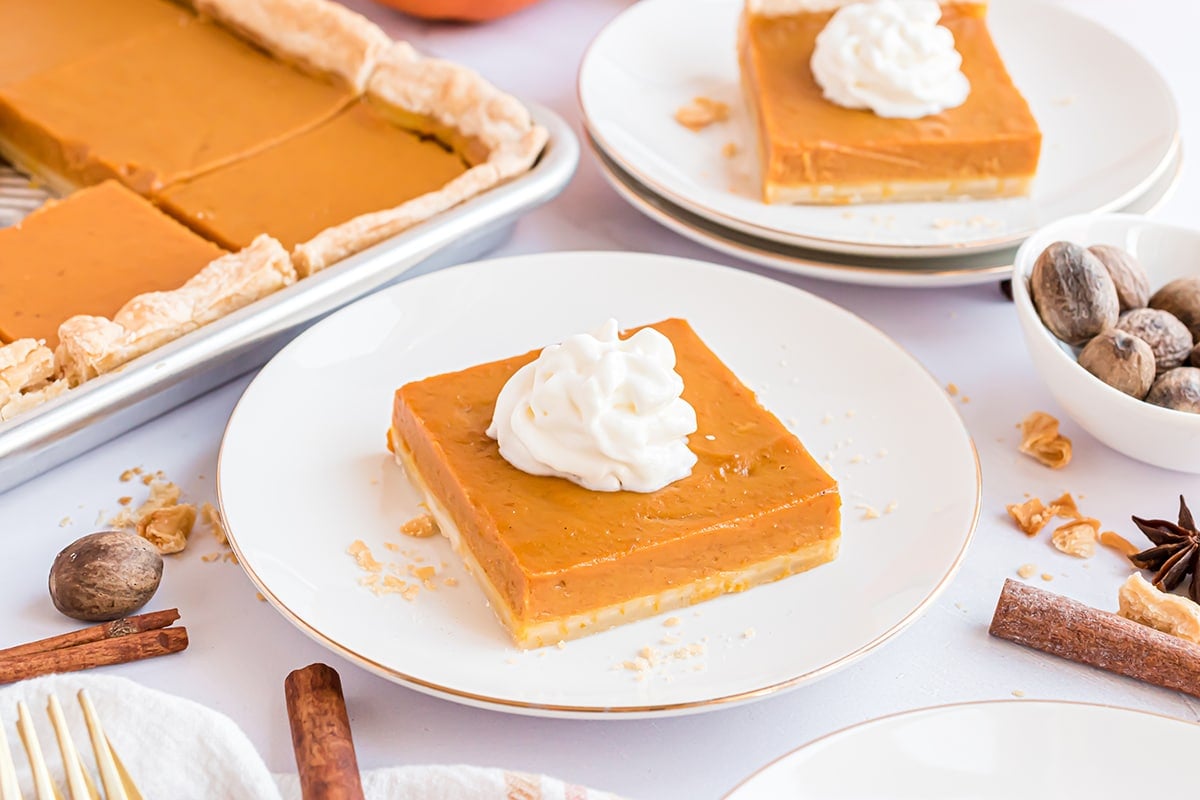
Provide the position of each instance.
(1110, 142)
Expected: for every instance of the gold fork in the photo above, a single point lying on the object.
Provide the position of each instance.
(114, 778)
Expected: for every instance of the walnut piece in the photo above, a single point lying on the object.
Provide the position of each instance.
(1041, 440)
(701, 112)
(1077, 538)
(1170, 613)
(168, 528)
(420, 527)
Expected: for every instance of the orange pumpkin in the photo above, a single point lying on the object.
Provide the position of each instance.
(461, 10)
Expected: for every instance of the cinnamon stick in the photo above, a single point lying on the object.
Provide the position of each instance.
(321, 735)
(107, 630)
(1062, 627)
(102, 653)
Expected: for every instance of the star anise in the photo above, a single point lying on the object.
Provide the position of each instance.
(1176, 551)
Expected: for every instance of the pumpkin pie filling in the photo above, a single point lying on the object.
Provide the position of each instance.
(813, 150)
(36, 36)
(353, 164)
(558, 560)
(158, 108)
(88, 254)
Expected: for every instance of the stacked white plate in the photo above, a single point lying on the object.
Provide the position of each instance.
(1110, 142)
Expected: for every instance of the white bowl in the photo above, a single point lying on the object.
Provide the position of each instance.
(1156, 435)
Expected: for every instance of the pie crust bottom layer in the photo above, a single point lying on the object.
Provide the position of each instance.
(541, 634)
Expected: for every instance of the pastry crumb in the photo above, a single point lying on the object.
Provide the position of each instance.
(124, 500)
(952, 389)
(420, 527)
(1026, 571)
(168, 528)
(64, 522)
(749, 633)
(363, 557)
(1018, 693)
(259, 596)
(212, 518)
(671, 622)
(1141, 602)
(1030, 516)
(561, 645)
(1041, 440)
(1064, 506)
(208, 558)
(869, 512)
(1076, 538)
(701, 112)
(1046, 576)
(1115, 541)
(891, 507)
(827, 419)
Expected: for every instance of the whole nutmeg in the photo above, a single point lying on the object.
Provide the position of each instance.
(1121, 360)
(1178, 388)
(1130, 278)
(1181, 297)
(1169, 338)
(1073, 293)
(105, 576)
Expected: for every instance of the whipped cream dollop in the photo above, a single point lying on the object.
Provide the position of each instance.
(601, 411)
(892, 57)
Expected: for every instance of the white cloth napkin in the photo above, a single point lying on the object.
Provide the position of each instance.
(175, 748)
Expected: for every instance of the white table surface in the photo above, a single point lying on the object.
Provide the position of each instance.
(241, 649)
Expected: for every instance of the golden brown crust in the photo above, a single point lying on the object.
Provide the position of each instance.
(25, 365)
(316, 35)
(454, 98)
(91, 346)
(19, 404)
(1170, 613)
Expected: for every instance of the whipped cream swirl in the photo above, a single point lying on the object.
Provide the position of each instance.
(600, 411)
(892, 57)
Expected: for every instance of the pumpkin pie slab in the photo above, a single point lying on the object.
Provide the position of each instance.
(814, 151)
(89, 253)
(159, 108)
(355, 163)
(558, 561)
(37, 35)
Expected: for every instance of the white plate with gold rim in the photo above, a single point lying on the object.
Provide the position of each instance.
(304, 472)
(998, 750)
(1109, 122)
(965, 270)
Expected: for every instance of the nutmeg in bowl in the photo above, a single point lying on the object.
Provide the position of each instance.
(1079, 304)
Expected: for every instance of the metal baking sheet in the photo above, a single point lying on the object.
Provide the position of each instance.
(108, 406)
